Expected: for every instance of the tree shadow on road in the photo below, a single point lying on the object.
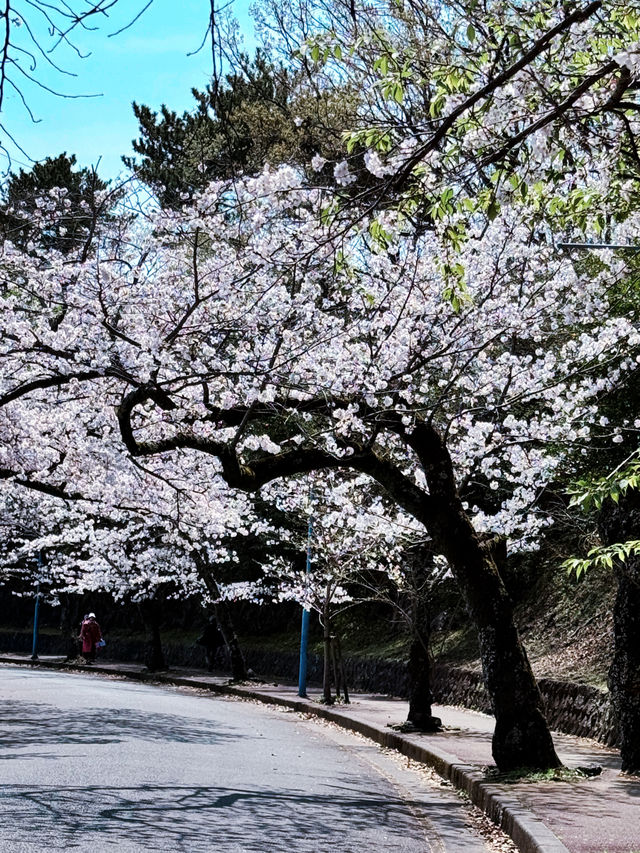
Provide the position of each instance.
(40, 723)
(186, 818)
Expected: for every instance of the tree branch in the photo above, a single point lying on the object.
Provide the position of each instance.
(49, 382)
(398, 180)
(253, 475)
(39, 486)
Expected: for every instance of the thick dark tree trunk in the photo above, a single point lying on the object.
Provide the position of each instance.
(521, 737)
(154, 656)
(419, 670)
(618, 523)
(419, 664)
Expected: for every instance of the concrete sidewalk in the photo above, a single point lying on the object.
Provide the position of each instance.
(590, 815)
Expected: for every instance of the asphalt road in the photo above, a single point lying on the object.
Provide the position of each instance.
(101, 764)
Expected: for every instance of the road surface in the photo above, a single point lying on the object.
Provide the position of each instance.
(98, 764)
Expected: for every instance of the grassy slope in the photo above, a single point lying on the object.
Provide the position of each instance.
(566, 626)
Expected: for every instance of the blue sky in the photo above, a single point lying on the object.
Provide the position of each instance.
(147, 63)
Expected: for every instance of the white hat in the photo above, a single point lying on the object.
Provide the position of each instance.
(91, 616)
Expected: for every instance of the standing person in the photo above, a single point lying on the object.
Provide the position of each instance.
(90, 634)
(211, 639)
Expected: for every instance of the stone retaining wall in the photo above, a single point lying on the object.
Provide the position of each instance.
(573, 708)
(579, 709)
(456, 686)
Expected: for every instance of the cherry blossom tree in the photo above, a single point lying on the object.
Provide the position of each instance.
(355, 544)
(411, 321)
(365, 550)
(133, 532)
(245, 335)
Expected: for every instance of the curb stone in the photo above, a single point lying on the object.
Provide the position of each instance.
(529, 833)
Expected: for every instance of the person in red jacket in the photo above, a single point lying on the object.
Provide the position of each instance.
(90, 634)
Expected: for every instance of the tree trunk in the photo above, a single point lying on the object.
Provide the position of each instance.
(618, 523)
(231, 641)
(154, 656)
(223, 617)
(327, 698)
(419, 670)
(521, 737)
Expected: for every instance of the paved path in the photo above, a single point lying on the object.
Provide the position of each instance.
(595, 815)
(94, 764)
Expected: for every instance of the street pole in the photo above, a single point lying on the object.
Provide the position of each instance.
(34, 650)
(306, 615)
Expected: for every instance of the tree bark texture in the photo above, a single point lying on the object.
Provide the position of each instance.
(419, 671)
(618, 523)
(420, 697)
(521, 737)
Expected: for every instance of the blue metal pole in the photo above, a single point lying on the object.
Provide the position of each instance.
(304, 628)
(34, 651)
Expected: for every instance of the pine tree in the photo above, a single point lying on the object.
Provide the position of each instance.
(54, 206)
(258, 114)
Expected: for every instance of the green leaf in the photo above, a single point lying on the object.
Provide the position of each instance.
(436, 105)
(493, 210)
